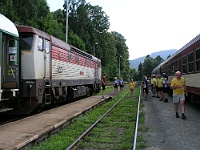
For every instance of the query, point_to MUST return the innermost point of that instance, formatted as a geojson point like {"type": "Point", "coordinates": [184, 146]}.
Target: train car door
{"type": "Point", "coordinates": [10, 65]}
{"type": "Point", "coordinates": [47, 61]}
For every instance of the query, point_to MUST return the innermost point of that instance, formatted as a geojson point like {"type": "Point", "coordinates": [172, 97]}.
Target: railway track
{"type": "Point", "coordinates": [112, 128]}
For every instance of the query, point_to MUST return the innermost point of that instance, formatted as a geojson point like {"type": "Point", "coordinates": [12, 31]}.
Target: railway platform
{"type": "Point", "coordinates": [17, 134]}
{"type": "Point", "coordinates": [165, 131]}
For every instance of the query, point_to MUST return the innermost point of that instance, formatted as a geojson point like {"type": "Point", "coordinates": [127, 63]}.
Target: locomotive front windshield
{"type": "Point", "coordinates": [25, 42]}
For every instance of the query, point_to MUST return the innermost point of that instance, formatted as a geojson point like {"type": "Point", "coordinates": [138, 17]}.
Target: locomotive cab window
{"type": "Point", "coordinates": [47, 46]}
{"type": "Point", "coordinates": [190, 62]}
{"type": "Point", "coordinates": [25, 41]}
{"type": "Point", "coordinates": [198, 60]}
{"type": "Point", "coordinates": [40, 44]}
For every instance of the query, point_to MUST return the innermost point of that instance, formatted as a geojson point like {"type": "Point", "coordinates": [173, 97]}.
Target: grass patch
{"type": "Point", "coordinates": [116, 131]}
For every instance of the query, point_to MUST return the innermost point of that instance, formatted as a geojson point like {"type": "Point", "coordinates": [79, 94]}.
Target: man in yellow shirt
{"type": "Point", "coordinates": [159, 84]}
{"type": "Point", "coordinates": [178, 85]}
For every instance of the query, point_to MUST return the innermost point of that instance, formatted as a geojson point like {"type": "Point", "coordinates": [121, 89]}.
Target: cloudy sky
{"type": "Point", "coordinates": [149, 25]}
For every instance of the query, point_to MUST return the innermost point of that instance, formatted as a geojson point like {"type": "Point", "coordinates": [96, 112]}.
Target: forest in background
{"type": "Point", "coordinates": [88, 30]}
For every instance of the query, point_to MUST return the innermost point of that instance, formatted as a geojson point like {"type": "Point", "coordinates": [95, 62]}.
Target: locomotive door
{"type": "Point", "coordinates": [10, 68]}
{"type": "Point", "coordinates": [96, 70]}
{"type": "Point", "coordinates": [47, 58]}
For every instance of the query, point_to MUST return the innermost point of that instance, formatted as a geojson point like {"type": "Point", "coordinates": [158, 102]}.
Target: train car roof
{"type": "Point", "coordinates": [28, 29]}
{"type": "Point", "coordinates": [8, 26]}
{"type": "Point", "coordinates": [59, 43]}
{"type": "Point", "coordinates": [179, 51]}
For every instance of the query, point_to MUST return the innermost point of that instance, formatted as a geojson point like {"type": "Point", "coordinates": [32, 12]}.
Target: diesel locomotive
{"type": "Point", "coordinates": [38, 69]}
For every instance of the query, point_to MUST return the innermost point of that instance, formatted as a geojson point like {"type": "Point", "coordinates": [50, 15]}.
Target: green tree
{"type": "Point", "coordinates": [157, 61]}
{"type": "Point", "coordinates": [148, 65]}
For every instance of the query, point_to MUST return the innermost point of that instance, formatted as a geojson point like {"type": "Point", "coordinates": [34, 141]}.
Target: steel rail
{"type": "Point", "coordinates": [136, 124]}
{"type": "Point", "coordinates": [93, 125]}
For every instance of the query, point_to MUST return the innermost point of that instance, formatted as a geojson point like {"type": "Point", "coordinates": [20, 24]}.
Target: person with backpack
{"type": "Point", "coordinates": [165, 88]}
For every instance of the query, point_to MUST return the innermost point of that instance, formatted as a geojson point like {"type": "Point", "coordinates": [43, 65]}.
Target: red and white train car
{"type": "Point", "coordinates": [187, 60]}
{"type": "Point", "coordinates": [49, 71]}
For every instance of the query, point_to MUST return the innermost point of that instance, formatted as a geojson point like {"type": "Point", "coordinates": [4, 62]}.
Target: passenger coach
{"type": "Point", "coordinates": [9, 62]}
{"type": "Point", "coordinates": [187, 60]}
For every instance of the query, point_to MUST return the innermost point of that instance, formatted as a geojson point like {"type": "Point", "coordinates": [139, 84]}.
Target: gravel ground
{"type": "Point", "coordinates": [166, 132]}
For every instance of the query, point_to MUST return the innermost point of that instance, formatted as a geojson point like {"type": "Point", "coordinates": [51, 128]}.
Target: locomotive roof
{"type": "Point", "coordinates": [27, 29]}
{"type": "Point", "coordinates": [55, 41]}
{"type": "Point", "coordinates": [64, 45]}
{"type": "Point", "coordinates": [8, 26]}
{"type": "Point", "coordinates": [179, 51]}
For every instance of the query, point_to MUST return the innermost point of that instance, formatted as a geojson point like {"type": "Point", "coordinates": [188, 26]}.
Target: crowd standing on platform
{"type": "Point", "coordinates": [159, 87]}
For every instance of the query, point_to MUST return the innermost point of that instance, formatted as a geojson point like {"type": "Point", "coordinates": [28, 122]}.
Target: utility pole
{"type": "Point", "coordinates": [66, 6]}
{"type": "Point", "coordinates": [119, 65]}
{"type": "Point", "coordinates": [95, 48]}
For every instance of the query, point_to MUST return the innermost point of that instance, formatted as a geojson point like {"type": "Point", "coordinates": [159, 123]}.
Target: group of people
{"type": "Point", "coordinates": [159, 87]}
{"type": "Point", "coordinates": [117, 83]}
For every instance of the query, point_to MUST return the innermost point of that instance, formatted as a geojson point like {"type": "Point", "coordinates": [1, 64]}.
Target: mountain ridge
{"type": "Point", "coordinates": [134, 63]}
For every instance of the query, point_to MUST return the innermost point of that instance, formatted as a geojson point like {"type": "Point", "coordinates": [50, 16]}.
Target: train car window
{"type": "Point", "coordinates": [190, 62]}
{"type": "Point", "coordinates": [172, 68]}
{"type": "Point", "coordinates": [69, 56]}
{"type": "Point", "coordinates": [47, 46]}
{"type": "Point", "coordinates": [175, 66]}
{"type": "Point", "coordinates": [77, 58]}
{"type": "Point", "coordinates": [12, 52]}
{"type": "Point", "coordinates": [25, 42]}
{"type": "Point", "coordinates": [198, 60]}
{"type": "Point", "coordinates": [184, 64]}
{"type": "Point", "coordinates": [40, 44]}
